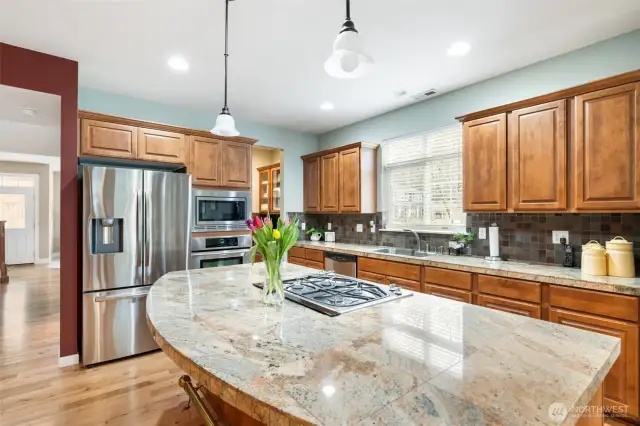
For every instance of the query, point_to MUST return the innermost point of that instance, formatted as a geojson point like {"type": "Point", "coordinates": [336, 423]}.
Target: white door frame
{"type": "Point", "coordinates": [36, 219]}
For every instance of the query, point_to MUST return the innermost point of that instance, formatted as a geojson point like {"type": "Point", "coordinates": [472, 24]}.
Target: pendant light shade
{"type": "Point", "coordinates": [349, 59]}
{"type": "Point", "coordinates": [225, 124]}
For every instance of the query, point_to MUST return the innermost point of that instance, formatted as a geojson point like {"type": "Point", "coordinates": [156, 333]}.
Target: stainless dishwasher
{"type": "Point", "coordinates": [342, 264]}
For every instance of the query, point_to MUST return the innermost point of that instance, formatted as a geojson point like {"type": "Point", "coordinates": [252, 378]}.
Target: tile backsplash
{"type": "Point", "coordinates": [523, 236]}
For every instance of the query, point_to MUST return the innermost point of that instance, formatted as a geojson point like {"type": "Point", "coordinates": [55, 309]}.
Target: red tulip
{"type": "Point", "coordinates": [257, 222]}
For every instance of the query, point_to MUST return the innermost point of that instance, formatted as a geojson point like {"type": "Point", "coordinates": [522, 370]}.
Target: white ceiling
{"type": "Point", "coordinates": [23, 134]}
{"type": "Point", "coordinates": [278, 48]}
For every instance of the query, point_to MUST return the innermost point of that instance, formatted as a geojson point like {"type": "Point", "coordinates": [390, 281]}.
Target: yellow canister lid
{"type": "Point", "coordinates": [619, 242]}
{"type": "Point", "coordinates": [594, 246]}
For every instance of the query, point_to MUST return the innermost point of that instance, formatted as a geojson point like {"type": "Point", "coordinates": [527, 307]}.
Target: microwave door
{"type": "Point", "coordinates": [214, 211]}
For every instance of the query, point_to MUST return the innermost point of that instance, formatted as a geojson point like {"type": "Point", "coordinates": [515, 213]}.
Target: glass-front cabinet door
{"type": "Point", "coordinates": [276, 197]}
{"type": "Point", "coordinates": [264, 188]}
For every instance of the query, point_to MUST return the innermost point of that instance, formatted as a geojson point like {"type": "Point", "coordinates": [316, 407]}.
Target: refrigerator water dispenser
{"type": "Point", "coordinates": [107, 235]}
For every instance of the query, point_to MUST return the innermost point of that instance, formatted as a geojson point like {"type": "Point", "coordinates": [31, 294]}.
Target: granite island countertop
{"type": "Point", "coordinates": [570, 277]}
{"type": "Point", "coordinates": [414, 361]}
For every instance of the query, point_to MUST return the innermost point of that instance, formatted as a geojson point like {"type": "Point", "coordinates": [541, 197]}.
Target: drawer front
{"type": "Point", "coordinates": [512, 289]}
{"type": "Point", "coordinates": [297, 252]}
{"type": "Point", "coordinates": [394, 269]}
{"type": "Point", "coordinates": [297, 261]}
{"type": "Point", "coordinates": [448, 293]}
{"type": "Point", "coordinates": [315, 255]}
{"type": "Point", "coordinates": [408, 284]}
{"type": "Point", "coordinates": [595, 302]}
{"type": "Point", "coordinates": [315, 265]}
{"type": "Point", "coordinates": [370, 276]}
{"type": "Point", "coordinates": [447, 278]}
{"type": "Point", "coordinates": [512, 306]}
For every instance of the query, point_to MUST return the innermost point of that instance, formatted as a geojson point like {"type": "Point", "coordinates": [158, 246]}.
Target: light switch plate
{"type": "Point", "coordinates": [303, 226]}
{"type": "Point", "coordinates": [329, 226]}
{"type": "Point", "coordinates": [556, 235]}
{"type": "Point", "coordinates": [482, 233]}
{"type": "Point", "coordinates": [359, 227]}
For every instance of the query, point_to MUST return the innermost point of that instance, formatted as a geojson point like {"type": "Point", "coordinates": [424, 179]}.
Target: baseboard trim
{"type": "Point", "coordinates": [67, 361]}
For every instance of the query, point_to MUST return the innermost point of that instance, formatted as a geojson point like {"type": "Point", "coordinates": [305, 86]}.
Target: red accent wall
{"type": "Point", "coordinates": [37, 71]}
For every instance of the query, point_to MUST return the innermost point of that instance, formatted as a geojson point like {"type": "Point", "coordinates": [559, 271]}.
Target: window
{"type": "Point", "coordinates": [422, 181]}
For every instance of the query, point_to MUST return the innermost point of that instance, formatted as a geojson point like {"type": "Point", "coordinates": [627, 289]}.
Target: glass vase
{"type": "Point", "coordinates": [273, 289]}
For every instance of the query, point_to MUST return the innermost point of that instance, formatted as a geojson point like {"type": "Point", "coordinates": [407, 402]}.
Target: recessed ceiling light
{"type": "Point", "coordinates": [178, 63]}
{"type": "Point", "coordinates": [29, 111]}
{"type": "Point", "coordinates": [327, 106]}
{"type": "Point", "coordinates": [459, 48]}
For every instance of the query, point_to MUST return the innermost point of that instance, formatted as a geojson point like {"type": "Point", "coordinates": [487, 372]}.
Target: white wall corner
{"type": "Point", "coordinates": [67, 361]}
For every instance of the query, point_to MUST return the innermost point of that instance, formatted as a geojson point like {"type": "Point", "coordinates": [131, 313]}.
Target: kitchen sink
{"type": "Point", "coordinates": [401, 252]}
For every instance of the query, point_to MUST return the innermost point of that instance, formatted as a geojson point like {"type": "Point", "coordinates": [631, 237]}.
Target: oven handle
{"type": "Point", "coordinates": [224, 253]}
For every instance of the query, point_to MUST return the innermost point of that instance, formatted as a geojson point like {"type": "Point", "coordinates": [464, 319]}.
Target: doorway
{"type": "Point", "coordinates": [17, 208]}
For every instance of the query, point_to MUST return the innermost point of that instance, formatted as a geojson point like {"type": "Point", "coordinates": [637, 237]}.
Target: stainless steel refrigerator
{"type": "Point", "coordinates": [136, 228]}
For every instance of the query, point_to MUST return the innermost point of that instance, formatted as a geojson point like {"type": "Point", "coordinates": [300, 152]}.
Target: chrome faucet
{"type": "Point", "coordinates": [415, 234]}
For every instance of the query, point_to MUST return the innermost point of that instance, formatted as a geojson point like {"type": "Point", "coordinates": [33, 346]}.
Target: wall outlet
{"type": "Point", "coordinates": [373, 228]}
{"type": "Point", "coordinates": [556, 235]}
{"type": "Point", "coordinates": [359, 227]}
{"type": "Point", "coordinates": [329, 226]}
{"type": "Point", "coordinates": [482, 233]}
{"type": "Point", "coordinates": [303, 226]}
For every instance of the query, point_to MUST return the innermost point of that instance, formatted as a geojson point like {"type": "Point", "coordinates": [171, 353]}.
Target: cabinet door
{"type": "Point", "coordinates": [276, 198]}
{"type": "Point", "coordinates": [206, 156]}
{"type": "Point", "coordinates": [311, 184]}
{"type": "Point", "coordinates": [297, 261]}
{"type": "Point", "coordinates": [484, 157]}
{"type": "Point", "coordinates": [537, 149]}
{"type": "Point", "coordinates": [401, 282]}
{"type": "Point", "coordinates": [108, 140]}
{"type": "Point", "coordinates": [448, 293]}
{"type": "Point", "coordinates": [621, 384]}
{"type": "Point", "coordinates": [236, 165]}
{"type": "Point", "coordinates": [264, 191]}
{"type": "Point", "coordinates": [314, 265]}
{"type": "Point", "coordinates": [607, 149]}
{"type": "Point", "coordinates": [165, 147]}
{"type": "Point", "coordinates": [370, 276]}
{"type": "Point", "coordinates": [349, 184]}
{"type": "Point", "coordinates": [329, 172]}
{"type": "Point", "coordinates": [512, 306]}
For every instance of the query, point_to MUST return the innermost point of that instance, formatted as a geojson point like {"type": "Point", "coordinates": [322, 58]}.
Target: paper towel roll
{"type": "Point", "coordinates": [494, 241]}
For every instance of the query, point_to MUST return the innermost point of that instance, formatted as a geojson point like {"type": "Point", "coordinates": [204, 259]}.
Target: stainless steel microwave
{"type": "Point", "coordinates": [221, 210]}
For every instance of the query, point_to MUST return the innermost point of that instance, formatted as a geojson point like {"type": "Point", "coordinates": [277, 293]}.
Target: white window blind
{"type": "Point", "coordinates": [422, 181]}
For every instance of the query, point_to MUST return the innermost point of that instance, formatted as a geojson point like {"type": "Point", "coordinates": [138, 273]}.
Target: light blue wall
{"type": "Point", "coordinates": [292, 142]}
{"type": "Point", "coordinates": [604, 59]}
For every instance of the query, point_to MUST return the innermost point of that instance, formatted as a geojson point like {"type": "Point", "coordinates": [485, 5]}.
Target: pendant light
{"type": "Point", "coordinates": [225, 124]}
{"type": "Point", "coordinates": [348, 59]}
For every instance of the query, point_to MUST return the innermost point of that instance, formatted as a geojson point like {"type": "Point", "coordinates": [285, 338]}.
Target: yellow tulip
{"type": "Point", "coordinates": [276, 234]}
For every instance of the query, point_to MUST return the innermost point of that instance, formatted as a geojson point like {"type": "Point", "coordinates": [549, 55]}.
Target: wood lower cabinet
{"type": "Point", "coordinates": [310, 258]}
{"type": "Point", "coordinates": [311, 184]}
{"type": "Point", "coordinates": [448, 293]}
{"type": "Point", "coordinates": [607, 149]}
{"type": "Point", "coordinates": [406, 284]}
{"type": "Point", "coordinates": [297, 261]}
{"type": "Point", "coordinates": [104, 139]}
{"type": "Point", "coordinates": [315, 265]}
{"type": "Point", "coordinates": [484, 158]}
{"type": "Point", "coordinates": [236, 165]}
{"type": "Point", "coordinates": [622, 383]}
{"type": "Point", "coordinates": [165, 147]}
{"type": "Point", "coordinates": [349, 180]}
{"type": "Point", "coordinates": [329, 182]}
{"type": "Point", "coordinates": [370, 276]}
{"type": "Point", "coordinates": [537, 149]}
{"type": "Point", "coordinates": [205, 161]}
{"type": "Point", "coordinates": [526, 309]}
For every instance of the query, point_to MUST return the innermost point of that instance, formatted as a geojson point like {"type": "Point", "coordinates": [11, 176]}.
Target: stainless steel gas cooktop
{"type": "Point", "coordinates": [333, 294]}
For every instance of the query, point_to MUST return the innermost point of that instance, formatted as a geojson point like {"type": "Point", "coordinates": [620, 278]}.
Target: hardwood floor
{"type": "Point", "coordinates": [35, 391]}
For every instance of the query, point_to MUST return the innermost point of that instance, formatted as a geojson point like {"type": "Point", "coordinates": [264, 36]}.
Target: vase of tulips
{"type": "Point", "coordinates": [272, 241]}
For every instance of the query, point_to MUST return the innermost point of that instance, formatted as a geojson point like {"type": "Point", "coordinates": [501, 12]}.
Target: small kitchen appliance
{"type": "Point", "coordinates": [220, 210]}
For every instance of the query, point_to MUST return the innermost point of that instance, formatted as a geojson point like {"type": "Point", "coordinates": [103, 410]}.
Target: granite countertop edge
{"type": "Point", "coordinates": [569, 277]}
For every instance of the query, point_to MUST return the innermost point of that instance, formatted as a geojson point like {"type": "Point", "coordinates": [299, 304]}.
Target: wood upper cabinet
{"type": "Point", "coordinates": [162, 146]}
{"type": "Point", "coordinates": [349, 178]}
{"type": "Point", "coordinates": [607, 149]}
{"type": "Point", "coordinates": [105, 139]}
{"type": "Point", "coordinates": [311, 184]}
{"type": "Point", "coordinates": [538, 163]}
{"type": "Point", "coordinates": [622, 383]}
{"type": "Point", "coordinates": [485, 164]}
{"type": "Point", "coordinates": [236, 165]}
{"type": "Point", "coordinates": [329, 182]}
{"type": "Point", "coordinates": [205, 161]}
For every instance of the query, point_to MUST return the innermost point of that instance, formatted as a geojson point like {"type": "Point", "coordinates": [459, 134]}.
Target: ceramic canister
{"type": "Point", "coordinates": [620, 258]}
